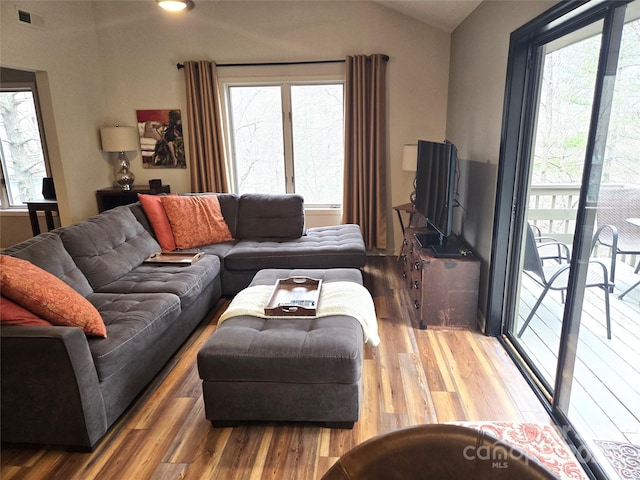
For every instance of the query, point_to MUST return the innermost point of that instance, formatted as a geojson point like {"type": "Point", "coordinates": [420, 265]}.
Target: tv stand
{"type": "Point", "coordinates": [443, 290]}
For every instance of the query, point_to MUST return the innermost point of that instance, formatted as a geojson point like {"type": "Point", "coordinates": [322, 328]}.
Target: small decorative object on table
{"type": "Point", "coordinates": [294, 296]}
{"type": "Point", "coordinates": [48, 189]}
{"type": "Point", "coordinates": [155, 183]}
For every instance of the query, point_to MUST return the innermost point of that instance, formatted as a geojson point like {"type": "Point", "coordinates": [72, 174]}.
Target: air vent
{"type": "Point", "coordinates": [29, 18]}
{"type": "Point", "coordinates": [24, 16]}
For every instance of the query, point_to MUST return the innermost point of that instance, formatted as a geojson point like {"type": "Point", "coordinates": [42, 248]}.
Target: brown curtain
{"type": "Point", "coordinates": [365, 195]}
{"type": "Point", "coordinates": [206, 147]}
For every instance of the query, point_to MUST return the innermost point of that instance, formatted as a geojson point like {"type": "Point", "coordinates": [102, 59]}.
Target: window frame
{"type": "Point", "coordinates": [285, 77]}
{"type": "Point", "coordinates": [25, 86]}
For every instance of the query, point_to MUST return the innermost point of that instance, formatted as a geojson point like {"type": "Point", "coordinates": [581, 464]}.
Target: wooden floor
{"type": "Point", "coordinates": [605, 395]}
{"type": "Point", "coordinates": [413, 377]}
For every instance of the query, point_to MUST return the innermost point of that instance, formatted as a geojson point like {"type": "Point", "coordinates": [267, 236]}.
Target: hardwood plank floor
{"type": "Point", "coordinates": [413, 377]}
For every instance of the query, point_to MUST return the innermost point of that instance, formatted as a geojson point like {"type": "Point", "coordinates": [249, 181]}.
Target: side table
{"type": "Point", "coordinates": [46, 206]}
{"type": "Point", "coordinates": [115, 196]}
{"type": "Point", "coordinates": [407, 208]}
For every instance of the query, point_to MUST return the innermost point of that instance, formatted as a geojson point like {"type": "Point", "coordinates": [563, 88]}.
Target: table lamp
{"type": "Point", "coordinates": [121, 139]}
{"type": "Point", "coordinates": [410, 164]}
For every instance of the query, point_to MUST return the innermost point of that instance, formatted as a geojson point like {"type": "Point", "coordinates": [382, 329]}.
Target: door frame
{"type": "Point", "coordinates": [518, 123]}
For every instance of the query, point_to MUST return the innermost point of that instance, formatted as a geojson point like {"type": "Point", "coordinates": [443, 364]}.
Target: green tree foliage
{"type": "Point", "coordinates": [565, 108]}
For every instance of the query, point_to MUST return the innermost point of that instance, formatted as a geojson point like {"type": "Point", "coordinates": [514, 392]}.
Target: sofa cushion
{"type": "Point", "coordinates": [13, 314]}
{"type": "Point", "coordinates": [187, 282]}
{"type": "Point", "coordinates": [270, 216]}
{"type": "Point", "coordinates": [47, 296]}
{"type": "Point", "coordinates": [47, 252]}
{"type": "Point", "coordinates": [109, 245]}
{"type": "Point", "coordinates": [134, 324]}
{"type": "Point", "coordinates": [321, 247]}
{"type": "Point", "coordinates": [196, 220]}
{"type": "Point", "coordinates": [313, 350]}
{"type": "Point", "coordinates": [154, 210]}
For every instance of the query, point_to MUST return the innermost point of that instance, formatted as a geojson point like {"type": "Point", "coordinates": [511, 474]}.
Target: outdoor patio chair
{"type": "Point", "coordinates": [615, 205]}
{"type": "Point", "coordinates": [549, 248]}
{"type": "Point", "coordinates": [555, 276]}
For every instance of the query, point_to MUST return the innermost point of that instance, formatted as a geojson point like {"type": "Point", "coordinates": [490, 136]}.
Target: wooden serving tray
{"type": "Point", "coordinates": [173, 258]}
{"type": "Point", "coordinates": [294, 296]}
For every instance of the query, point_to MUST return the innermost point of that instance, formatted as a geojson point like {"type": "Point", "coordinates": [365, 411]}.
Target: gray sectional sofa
{"type": "Point", "coordinates": [60, 387]}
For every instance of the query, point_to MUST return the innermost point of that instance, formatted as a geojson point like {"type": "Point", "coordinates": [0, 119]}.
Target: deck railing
{"type": "Point", "coordinates": [553, 209]}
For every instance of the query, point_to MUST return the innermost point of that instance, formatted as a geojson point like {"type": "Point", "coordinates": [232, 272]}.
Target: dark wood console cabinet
{"type": "Point", "coordinates": [115, 196]}
{"type": "Point", "coordinates": [443, 291]}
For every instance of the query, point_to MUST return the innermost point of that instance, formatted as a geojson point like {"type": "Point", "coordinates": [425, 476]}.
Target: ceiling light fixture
{"type": "Point", "coordinates": [176, 5]}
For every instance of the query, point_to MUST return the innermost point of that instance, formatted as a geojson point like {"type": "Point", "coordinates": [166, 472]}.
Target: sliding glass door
{"type": "Point", "coordinates": [569, 188]}
{"type": "Point", "coordinates": [566, 70]}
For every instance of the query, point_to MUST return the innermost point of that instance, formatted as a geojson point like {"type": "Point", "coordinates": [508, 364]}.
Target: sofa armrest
{"type": "Point", "coordinates": [50, 390]}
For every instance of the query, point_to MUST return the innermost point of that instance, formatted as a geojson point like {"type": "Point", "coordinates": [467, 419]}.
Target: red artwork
{"type": "Point", "coordinates": [161, 140]}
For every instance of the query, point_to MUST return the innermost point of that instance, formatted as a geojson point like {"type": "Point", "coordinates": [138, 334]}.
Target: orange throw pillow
{"type": "Point", "coordinates": [47, 296]}
{"type": "Point", "coordinates": [196, 220]}
{"type": "Point", "coordinates": [13, 314]}
{"type": "Point", "coordinates": [152, 206]}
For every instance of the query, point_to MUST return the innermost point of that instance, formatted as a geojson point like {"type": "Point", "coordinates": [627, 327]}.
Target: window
{"type": "Point", "coordinates": [22, 155]}
{"type": "Point", "coordinates": [287, 138]}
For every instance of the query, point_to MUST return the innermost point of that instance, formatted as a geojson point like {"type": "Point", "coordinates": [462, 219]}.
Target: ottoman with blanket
{"type": "Point", "coordinates": [259, 368]}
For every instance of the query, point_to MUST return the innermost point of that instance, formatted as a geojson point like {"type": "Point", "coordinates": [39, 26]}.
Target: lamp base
{"type": "Point", "coordinates": [124, 176]}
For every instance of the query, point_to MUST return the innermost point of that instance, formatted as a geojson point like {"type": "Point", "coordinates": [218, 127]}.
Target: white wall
{"type": "Point", "coordinates": [106, 59]}
{"type": "Point", "coordinates": [65, 55]}
{"type": "Point", "coordinates": [479, 51]}
{"type": "Point", "coordinates": [140, 45]}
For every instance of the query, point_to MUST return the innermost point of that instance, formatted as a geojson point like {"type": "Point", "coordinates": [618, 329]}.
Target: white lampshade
{"type": "Point", "coordinates": [409, 157]}
{"type": "Point", "coordinates": [119, 139]}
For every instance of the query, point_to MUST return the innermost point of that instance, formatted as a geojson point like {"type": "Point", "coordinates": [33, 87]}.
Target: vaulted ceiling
{"type": "Point", "coordinates": [443, 14]}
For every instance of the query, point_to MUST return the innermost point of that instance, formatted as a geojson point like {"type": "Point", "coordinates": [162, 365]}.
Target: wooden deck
{"type": "Point", "coordinates": [413, 377]}
{"type": "Point", "coordinates": [605, 397]}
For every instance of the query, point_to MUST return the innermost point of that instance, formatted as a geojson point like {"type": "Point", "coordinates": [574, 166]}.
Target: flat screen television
{"type": "Point", "coordinates": [435, 191]}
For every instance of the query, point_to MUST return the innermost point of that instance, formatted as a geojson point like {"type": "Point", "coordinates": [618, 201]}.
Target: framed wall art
{"type": "Point", "coordinates": [161, 140]}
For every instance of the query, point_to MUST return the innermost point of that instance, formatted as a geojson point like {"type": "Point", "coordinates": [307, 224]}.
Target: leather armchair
{"type": "Point", "coordinates": [442, 452]}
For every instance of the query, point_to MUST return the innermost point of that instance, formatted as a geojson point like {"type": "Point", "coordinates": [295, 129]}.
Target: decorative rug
{"type": "Point", "coordinates": [624, 457]}
{"type": "Point", "coordinates": [542, 442]}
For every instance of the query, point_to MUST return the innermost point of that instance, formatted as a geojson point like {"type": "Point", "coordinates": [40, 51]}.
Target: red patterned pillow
{"type": "Point", "coordinates": [196, 220]}
{"type": "Point", "coordinates": [152, 206]}
{"type": "Point", "coordinates": [47, 296]}
{"type": "Point", "coordinates": [13, 314]}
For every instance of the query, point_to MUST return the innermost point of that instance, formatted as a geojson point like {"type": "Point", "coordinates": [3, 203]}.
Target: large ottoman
{"type": "Point", "coordinates": [286, 369]}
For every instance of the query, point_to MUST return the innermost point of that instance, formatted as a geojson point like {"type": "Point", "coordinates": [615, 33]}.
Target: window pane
{"type": "Point", "coordinates": [318, 142]}
{"type": "Point", "coordinates": [256, 127]}
{"type": "Point", "coordinates": [568, 80]}
{"type": "Point", "coordinates": [20, 147]}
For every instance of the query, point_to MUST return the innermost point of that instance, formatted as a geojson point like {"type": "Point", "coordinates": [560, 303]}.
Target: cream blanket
{"type": "Point", "coordinates": [336, 298]}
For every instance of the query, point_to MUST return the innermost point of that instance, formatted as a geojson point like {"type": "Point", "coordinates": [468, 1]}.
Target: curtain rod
{"type": "Point", "coordinates": [277, 64]}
